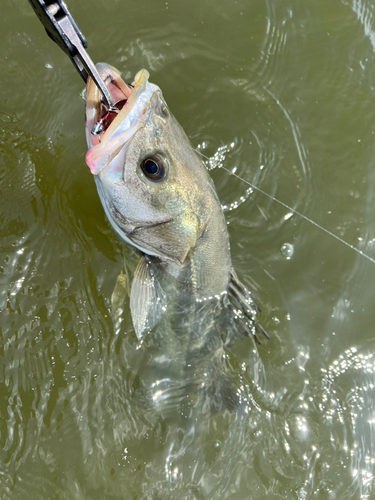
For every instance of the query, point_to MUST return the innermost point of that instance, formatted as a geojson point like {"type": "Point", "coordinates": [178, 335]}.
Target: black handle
{"type": "Point", "coordinates": [50, 12]}
{"type": "Point", "coordinates": [61, 27]}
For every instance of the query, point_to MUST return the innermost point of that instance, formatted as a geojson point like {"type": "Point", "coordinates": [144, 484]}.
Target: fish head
{"type": "Point", "coordinates": [152, 185]}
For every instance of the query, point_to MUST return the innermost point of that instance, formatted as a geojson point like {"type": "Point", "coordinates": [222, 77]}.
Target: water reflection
{"type": "Point", "coordinates": [279, 94]}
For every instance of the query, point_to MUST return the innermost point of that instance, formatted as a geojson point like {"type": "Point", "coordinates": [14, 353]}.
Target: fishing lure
{"type": "Point", "coordinates": [105, 120]}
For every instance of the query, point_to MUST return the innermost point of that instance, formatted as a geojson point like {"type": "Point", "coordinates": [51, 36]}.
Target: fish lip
{"type": "Point", "coordinates": [93, 107]}
{"type": "Point", "coordinates": [119, 90]}
{"type": "Point", "coordinates": [104, 147]}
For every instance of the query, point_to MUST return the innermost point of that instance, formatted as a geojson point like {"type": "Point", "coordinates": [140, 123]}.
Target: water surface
{"type": "Point", "coordinates": [279, 93]}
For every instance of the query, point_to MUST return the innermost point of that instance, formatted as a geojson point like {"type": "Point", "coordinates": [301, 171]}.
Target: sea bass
{"type": "Point", "coordinates": [159, 198]}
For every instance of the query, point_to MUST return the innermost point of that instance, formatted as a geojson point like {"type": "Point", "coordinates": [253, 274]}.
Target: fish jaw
{"type": "Point", "coordinates": [104, 147]}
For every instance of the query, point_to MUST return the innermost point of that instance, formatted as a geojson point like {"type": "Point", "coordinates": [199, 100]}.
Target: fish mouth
{"type": "Point", "coordinates": [108, 130]}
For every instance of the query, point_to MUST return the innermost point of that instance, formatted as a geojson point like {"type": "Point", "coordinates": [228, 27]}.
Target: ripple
{"type": "Point", "coordinates": [348, 407]}
{"type": "Point", "coordinates": [365, 14]}
{"type": "Point", "coordinates": [275, 39]}
{"type": "Point", "coordinates": [274, 98]}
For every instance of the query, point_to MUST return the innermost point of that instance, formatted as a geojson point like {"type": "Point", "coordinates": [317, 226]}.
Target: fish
{"type": "Point", "coordinates": [159, 198]}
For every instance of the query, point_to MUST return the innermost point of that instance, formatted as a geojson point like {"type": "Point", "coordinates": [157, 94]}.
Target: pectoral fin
{"type": "Point", "coordinates": [147, 298]}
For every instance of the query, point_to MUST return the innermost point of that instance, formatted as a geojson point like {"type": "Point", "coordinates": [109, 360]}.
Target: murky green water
{"type": "Point", "coordinates": [285, 92]}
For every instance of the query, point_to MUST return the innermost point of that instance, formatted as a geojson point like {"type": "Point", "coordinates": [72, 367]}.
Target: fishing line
{"type": "Point", "coordinates": [295, 212]}
{"type": "Point", "coordinates": [360, 252]}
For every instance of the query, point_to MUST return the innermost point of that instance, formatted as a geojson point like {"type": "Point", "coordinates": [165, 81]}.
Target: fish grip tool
{"type": "Point", "coordinates": [63, 30]}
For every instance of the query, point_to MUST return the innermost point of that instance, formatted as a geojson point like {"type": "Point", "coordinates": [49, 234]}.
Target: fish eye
{"type": "Point", "coordinates": [154, 168]}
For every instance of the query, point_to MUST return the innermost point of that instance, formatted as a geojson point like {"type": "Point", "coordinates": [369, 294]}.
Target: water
{"type": "Point", "coordinates": [280, 94]}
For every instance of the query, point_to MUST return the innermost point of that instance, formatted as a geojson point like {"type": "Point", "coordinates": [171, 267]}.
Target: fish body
{"type": "Point", "coordinates": [159, 198]}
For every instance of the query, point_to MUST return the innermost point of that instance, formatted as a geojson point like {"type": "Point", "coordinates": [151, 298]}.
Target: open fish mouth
{"type": "Point", "coordinates": [107, 130]}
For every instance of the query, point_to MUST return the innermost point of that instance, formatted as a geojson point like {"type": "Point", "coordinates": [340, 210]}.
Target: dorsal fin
{"type": "Point", "coordinates": [245, 307]}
